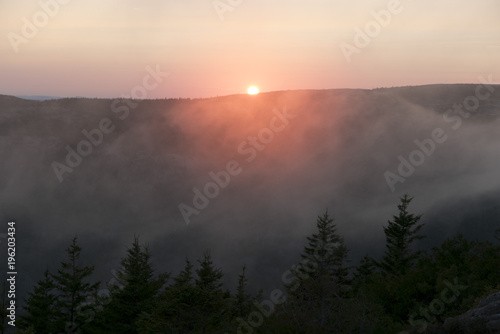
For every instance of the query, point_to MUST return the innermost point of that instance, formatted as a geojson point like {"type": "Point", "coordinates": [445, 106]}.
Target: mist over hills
{"type": "Point", "coordinates": [312, 150]}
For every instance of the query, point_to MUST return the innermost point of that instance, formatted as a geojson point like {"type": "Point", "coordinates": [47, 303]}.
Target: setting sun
{"type": "Point", "coordinates": [253, 90]}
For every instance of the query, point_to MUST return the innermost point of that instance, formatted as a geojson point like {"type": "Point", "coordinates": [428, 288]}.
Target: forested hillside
{"type": "Point", "coordinates": [323, 292]}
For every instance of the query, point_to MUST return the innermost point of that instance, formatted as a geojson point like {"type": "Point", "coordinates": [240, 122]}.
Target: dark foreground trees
{"type": "Point", "coordinates": [42, 307]}
{"type": "Point", "coordinates": [60, 302]}
{"type": "Point", "coordinates": [192, 304]}
{"type": "Point", "coordinates": [405, 290]}
{"type": "Point", "coordinates": [75, 292]}
{"type": "Point", "coordinates": [400, 234]}
{"type": "Point", "coordinates": [136, 291]}
{"type": "Point", "coordinates": [321, 284]}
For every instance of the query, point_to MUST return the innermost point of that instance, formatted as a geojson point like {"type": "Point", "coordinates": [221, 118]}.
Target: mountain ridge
{"type": "Point", "coordinates": [422, 86]}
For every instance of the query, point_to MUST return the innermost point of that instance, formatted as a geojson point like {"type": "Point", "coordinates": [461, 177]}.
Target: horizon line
{"type": "Point", "coordinates": [42, 98]}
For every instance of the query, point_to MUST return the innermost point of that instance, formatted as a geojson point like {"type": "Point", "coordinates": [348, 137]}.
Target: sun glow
{"type": "Point", "coordinates": [253, 90]}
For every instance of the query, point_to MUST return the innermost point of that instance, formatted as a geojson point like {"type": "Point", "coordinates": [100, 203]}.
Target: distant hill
{"type": "Point", "coordinates": [38, 97]}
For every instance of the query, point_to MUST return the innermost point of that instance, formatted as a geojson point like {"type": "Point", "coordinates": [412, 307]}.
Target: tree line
{"type": "Point", "coordinates": [406, 291]}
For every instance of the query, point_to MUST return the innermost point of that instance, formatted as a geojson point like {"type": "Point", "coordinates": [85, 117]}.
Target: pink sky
{"type": "Point", "coordinates": [101, 48]}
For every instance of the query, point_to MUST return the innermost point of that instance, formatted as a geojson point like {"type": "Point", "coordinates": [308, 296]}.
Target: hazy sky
{"type": "Point", "coordinates": [100, 48]}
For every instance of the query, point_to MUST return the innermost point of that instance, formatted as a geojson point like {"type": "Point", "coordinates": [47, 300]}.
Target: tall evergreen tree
{"type": "Point", "coordinates": [325, 256]}
{"type": "Point", "coordinates": [190, 305]}
{"type": "Point", "coordinates": [181, 300]}
{"type": "Point", "coordinates": [175, 310]}
{"type": "Point", "coordinates": [211, 308]}
{"type": "Point", "coordinates": [185, 277]}
{"type": "Point", "coordinates": [400, 235]}
{"type": "Point", "coordinates": [209, 276]}
{"type": "Point", "coordinates": [242, 298]}
{"type": "Point", "coordinates": [364, 270]}
{"type": "Point", "coordinates": [75, 293]}
{"type": "Point", "coordinates": [41, 307]}
{"type": "Point", "coordinates": [136, 292]}
{"type": "Point", "coordinates": [321, 282]}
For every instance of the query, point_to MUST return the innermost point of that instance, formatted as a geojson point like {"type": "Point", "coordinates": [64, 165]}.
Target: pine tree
{"type": "Point", "coordinates": [364, 270]}
{"type": "Point", "coordinates": [136, 292]}
{"type": "Point", "coordinates": [400, 235]}
{"type": "Point", "coordinates": [175, 309]}
{"type": "Point", "coordinates": [243, 303]}
{"type": "Point", "coordinates": [325, 256]}
{"type": "Point", "coordinates": [321, 279]}
{"type": "Point", "coordinates": [185, 277]}
{"type": "Point", "coordinates": [181, 300]}
{"type": "Point", "coordinates": [190, 305]}
{"type": "Point", "coordinates": [211, 306]}
{"type": "Point", "coordinates": [75, 293]}
{"type": "Point", "coordinates": [208, 275]}
{"type": "Point", "coordinates": [41, 307]}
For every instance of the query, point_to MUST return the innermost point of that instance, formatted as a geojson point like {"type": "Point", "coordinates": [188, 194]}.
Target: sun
{"type": "Point", "coordinates": [253, 90]}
